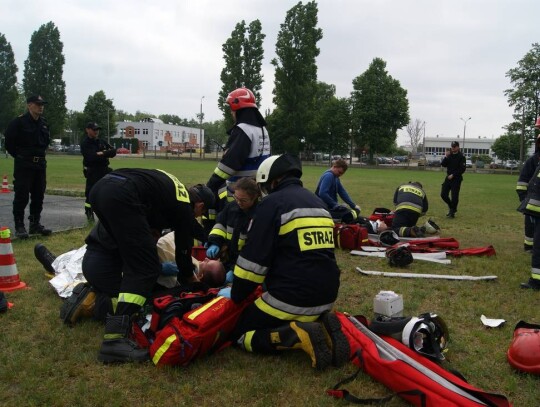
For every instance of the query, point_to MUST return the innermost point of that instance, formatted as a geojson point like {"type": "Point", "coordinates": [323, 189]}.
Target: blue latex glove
{"type": "Point", "coordinates": [212, 251]}
{"type": "Point", "coordinates": [169, 268]}
{"type": "Point", "coordinates": [225, 292]}
{"type": "Point", "coordinates": [229, 277]}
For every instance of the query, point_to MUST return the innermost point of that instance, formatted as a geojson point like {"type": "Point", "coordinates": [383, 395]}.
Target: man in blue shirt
{"type": "Point", "coordinates": [330, 187]}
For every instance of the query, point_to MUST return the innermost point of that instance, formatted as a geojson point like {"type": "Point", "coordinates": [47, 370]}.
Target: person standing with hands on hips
{"type": "Point", "coordinates": [96, 154]}
{"type": "Point", "coordinates": [27, 139]}
{"type": "Point", "coordinates": [455, 164]}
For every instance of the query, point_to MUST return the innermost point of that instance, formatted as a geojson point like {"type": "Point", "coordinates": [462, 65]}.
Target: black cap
{"type": "Point", "coordinates": [205, 195]}
{"type": "Point", "coordinates": [36, 99]}
{"type": "Point", "coordinates": [455, 144]}
{"type": "Point", "coordinates": [93, 126]}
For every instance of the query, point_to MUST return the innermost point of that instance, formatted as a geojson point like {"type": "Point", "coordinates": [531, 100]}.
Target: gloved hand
{"type": "Point", "coordinates": [229, 277]}
{"type": "Point", "coordinates": [357, 209]}
{"type": "Point", "coordinates": [169, 268]}
{"type": "Point", "coordinates": [225, 292]}
{"type": "Point", "coordinates": [212, 251]}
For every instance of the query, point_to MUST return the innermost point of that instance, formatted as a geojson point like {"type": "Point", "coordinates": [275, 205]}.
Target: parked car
{"type": "Point", "coordinates": [401, 158]}
{"type": "Point", "coordinates": [511, 165]}
{"type": "Point", "coordinates": [468, 163]}
{"type": "Point", "coordinates": [433, 162]}
{"type": "Point", "coordinates": [494, 166]}
{"type": "Point", "coordinates": [74, 149]}
{"type": "Point", "coordinates": [123, 150]}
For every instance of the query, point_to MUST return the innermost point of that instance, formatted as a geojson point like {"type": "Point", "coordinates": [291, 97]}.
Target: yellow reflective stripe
{"type": "Point", "coordinates": [248, 337]}
{"type": "Point", "coordinates": [221, 174]}
{"type": "Point", "coordinates": [200, 310]}
{"type": "Point", "coordinates": [241, 243]}
{"type": "Point", "coordinates": [285, 316]}
{"type": "Point", "coordinates": [218, 232]}
{"type": "Point", "coordinates": [305, 222]}
{"type": "Point", "coordinates": [315, 238]}
{"type": "Point", "coordinates": [533, 208]}
{"type": "Point", "coordinates": [163, 348]}
{"type": "Point", "coordinates": [223, 194]}
{"type": "Point", "coordinates": [408, 207]}
{"type": "Point", "coordinates": [87, 205]}
{"type": "Point", "coordinates": [5, 233]}
{"type": "Point", "coordinates": [181, 191]}
{"type": "Point", "coordinates": [131, 298]}
{"type": "Point", "coordinates": [248, 275]}
{"type": "Point", "coordinates": [412, 190]}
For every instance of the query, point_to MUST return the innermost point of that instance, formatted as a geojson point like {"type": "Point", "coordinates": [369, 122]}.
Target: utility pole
{"type": "Point", "coordinates": [424, 141]}
{"type": "Point", "coordinates": [200, 132]}
{"type": "Point", "coordinates": [464, 129]}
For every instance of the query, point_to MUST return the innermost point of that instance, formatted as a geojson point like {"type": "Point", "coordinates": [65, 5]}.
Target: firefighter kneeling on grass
{"type": "Point", "coordinates": [289, 248]}
{"type": "Point", "coordinates": [411, 202]}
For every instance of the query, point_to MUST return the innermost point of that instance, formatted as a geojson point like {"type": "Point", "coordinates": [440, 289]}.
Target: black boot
{"type": "Point", "coordinates": [37, 228]}
{"type": "Point", "coordinates": [20, 230]}
{"type": "Point", "coordinates": [307, 336]}
{"type": "Point", "coordinates": [532, 284]}
{"type": "Point", "coordinates": [45, 257]}
{"type": "Point", "coordinates": [89, 214]}
{"type": "Point", "coordinates": [336, 339]}
{"type": "Point", "coordinates": [116, 346]}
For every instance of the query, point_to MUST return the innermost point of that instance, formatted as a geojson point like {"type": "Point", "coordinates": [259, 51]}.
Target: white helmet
{"type": "Point", "coordinates": [276, 166]}
{"type": "Point", "coordinates": [426, 334]}
{"type": "Point", "coordinates": [431, 227]}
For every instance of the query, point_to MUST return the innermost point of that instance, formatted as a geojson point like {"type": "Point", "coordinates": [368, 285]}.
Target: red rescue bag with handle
{"type": "Point", "coordinates": [408, 374]}
{"type": "Point", "coordinates": [350, 236]}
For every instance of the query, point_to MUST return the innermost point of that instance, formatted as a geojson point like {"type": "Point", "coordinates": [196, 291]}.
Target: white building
{"type": "Point", "coordinates": [469, 147]}
{"type": "Point", "coordinates": [153, 134]}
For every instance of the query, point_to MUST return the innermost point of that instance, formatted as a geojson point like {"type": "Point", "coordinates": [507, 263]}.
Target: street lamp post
{"type": "Point", "coordinates": [200, 131]}
{"type": "Point", "coordinates": [464, 129]}
{"type": "Point", "coordinates": [424, 140]}
{"type": "Point", "coordinates": [108, 132]}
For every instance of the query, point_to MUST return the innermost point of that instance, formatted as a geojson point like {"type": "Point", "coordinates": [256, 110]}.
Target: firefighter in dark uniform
{"type": "Point", "coordinates": [455, 164]}
{"type": "Point", "coordinates": [27, 139]}
{"type": "Point", "coordinates": [289, 248]}
{"type": "Point", "coordinates": [96, 154]}
{"type": "Point", "coordinates": [230, 231]}
{"type": "Point", "coordinates": [410, 202]}
{"type": "Point", "coordinates": [134, 206]}
{"type": "Point", "coordinates": [530, 207]}
{"type": "Point", "coordinates": [247, 147]}
{"type": "Point", "coordinates": [521, 188]}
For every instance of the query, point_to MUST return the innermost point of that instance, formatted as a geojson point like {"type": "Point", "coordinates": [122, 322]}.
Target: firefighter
{"type": "Point", "coordinates": [289, 248]}
{"type": "Point", "coordinates": [96, 153]}
{"type": "Point", "coordinates": [247, 147]}
{"type": "Point", "coordinates": [411, 202]}
{"type": "Point", "coordinates": [521, 188]}
{"type": "Point", "coordinates": [230, 231]}
{"type": "Point", "coordinates": [134, 206]}
{"type": "Point", "coordinates": [27, 139]}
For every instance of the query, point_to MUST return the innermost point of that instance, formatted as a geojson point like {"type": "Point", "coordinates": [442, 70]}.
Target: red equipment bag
{"type": "Point", "coordinates": [410, 375]}
{"type": "Point", "coordinates": [201, 331]}
{"type": "Point", "coordinates": [383, 214]}
{"type": "Point", "coordinates": [350, 237]}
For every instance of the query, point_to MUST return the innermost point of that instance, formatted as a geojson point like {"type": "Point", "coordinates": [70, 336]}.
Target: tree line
{"type": "Point", "coordinates": [308, 116]}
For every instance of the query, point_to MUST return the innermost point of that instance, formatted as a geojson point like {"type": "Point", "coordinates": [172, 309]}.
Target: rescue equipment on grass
{"type": "Point", "coordinates": [407, 373]}
{"type": "Point", "coordinates": [350, 236]}
{"type": "Point", "coordinates": [524, 351]}
{"type": "Point", "coordinates": [9, 276]}
{"type": "Point", "coordinates": [399, 256]}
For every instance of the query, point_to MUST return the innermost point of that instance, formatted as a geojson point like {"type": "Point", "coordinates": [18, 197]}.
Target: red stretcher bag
{"type": "Point", "coordinates": [383, 214]}
{"type": "Point", "coordinates": [350, 237]}
{"type": "Point", "coordinates": [410, 375]}
{"type": "Point", "coordinates": [202, 331]}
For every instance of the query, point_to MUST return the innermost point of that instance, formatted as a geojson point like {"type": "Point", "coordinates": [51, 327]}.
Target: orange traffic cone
{"type": "Point", "coordinates": [5, 188]}
{"type": "Point", "coordinates": [9, 277]}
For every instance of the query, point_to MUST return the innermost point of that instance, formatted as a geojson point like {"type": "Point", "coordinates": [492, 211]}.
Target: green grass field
{"type": "Point", "coordinates": [45, 363]}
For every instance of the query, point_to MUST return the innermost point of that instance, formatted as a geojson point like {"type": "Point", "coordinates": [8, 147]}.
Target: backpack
{"type": "Point", "coordinates": [195, 333]}
{"type": "Point", "coordinates": [410, 375]}
{"type": "Point", "coordinates": [350, 237]}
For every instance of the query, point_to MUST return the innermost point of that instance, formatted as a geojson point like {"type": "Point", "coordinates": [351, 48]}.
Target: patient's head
{"type": "Point", "coordinates": [211, 272]}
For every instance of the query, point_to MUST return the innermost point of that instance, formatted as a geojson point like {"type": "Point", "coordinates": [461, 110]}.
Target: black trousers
{"type": "Point", "coordinates": [133, 268]}
{"type": "Point", "coordinates": [450, 192]}
{"type": "Point", "coordinates": [29, 185]}
{"type": "Point", "coordinates": [404, 220]}
{"type": "Point", "coordinates": [92, 176]}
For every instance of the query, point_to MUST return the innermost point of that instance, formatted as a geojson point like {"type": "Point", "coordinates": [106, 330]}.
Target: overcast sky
{"type": "Point", "coordinates": [164, 56]}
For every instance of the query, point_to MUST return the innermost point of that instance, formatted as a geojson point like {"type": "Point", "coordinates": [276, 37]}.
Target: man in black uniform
{"type": "Point", "coordinates": [521, 188]}
{"type": "Point", "coordinates": [27, 139]}
{"type": "Point", "coordinates": [455, 164]}
{"type": "Point", "coordinates": [134, 206]}
{"type": "Point", "coordinates": [96, 154]}
{"type": "Point", "coordinates": [289, 248]}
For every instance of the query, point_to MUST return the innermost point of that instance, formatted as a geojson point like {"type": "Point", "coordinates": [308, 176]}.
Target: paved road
{"type": "Point", "coordinates": [59, 212]}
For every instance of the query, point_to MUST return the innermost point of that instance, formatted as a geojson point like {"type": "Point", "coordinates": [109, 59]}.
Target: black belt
{"type": "Point", "coordinates": [34, 159]}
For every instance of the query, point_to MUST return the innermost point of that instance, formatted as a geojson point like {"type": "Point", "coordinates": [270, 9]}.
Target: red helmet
{"type": "Point", "coordinates": [241, 98]}
{"type": "Point", "coordinates": [524, 352]}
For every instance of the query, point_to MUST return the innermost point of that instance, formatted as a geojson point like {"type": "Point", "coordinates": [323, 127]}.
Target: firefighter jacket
{"type": "Point", "coordinates": [531, 204]}
{"type": "Point", "coordinates": [290, 248]}
{"type": "Point", "coordinates": [166, 205]}
{"type": "Point", "coordinates": [89, 149]}
{"type": "Point", "coordinates": [247, 147]}
{"type": "Point", "coordinates": [526, 174]}
{"type": "Point", "coordinates": [410, 197]}
{"type": "Point", "coordinates": [455, 164]}
{"type": "Point", "coordinates": [27, 140]}
{"type": "Point", "coordinates": [231, 230]}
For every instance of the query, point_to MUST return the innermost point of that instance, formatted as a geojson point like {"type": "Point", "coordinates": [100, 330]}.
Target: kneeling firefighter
{"type": "Point", "coordinates": [411, 202]}
{"type": "Point", "coordinates": [289, 248]}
